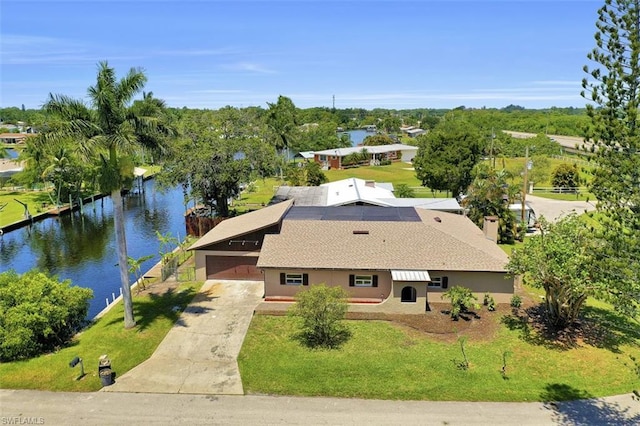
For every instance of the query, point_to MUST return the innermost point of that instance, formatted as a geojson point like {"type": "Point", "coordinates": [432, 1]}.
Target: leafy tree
{"type": "Point", "coordinates": [509, 146]}
{"type": "Point", "coordinates": [212, 162]}
{"type": "Point", "coordinates": [320, 137]}
{"type": "Point", "coordinates": [260, 156]}
{"type": "Point", "coordinates": [462, 300]}
{"type": "Point", "coordinates": [135, 268]}
{"type": "Point", "coordinates": [612, 88]}
{"type": "Point", "coordinates": [322, 309]}
{"type": "Point", "coordinates": [560, 261]}
{"type": "Point", "coordinates": [308, 173]}
{"type": "Point", "coordinates": [111, 131]}
{"type": "Point", "coordinates": [167, 243]}
{"type": "Point", "coordinates": [566, 176]}
{"type": "Point", "coordinates": [404, 191]}
{"type": "Point", "coordinates": [38, 313]}
{"type": "Point", "coordinates": [65, 171]}
{"type": "Point", "coordinates": [447, 155]}
{"type": "Point", "coordinates": [391, 124]}
{"type": "Point", "coordinates": [281, 119]}
{"type": "Point", "coordinates": [294, 174]}
{"type": "Point", "coordinates": [376, 140]}
{"type": "Point", "coordinates": [490, 195]}
{"type": "Point", "coordinates": [351, 159]}
{"type": "Point", "coordinates": [315, 175]}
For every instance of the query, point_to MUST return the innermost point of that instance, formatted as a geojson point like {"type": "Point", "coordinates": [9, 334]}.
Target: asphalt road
{"type": "Point", "coordinates": [552, 210]}
{"type": "Point", "coordinates": [107, 408]}
{"type": "Point", "coordinates": [569, 142]}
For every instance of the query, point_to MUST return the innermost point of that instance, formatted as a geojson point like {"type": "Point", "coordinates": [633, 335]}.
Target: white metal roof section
{"type": "Point", "coordinates": [405, 275]}
{"type": "Point", "coordinates": [375, 149]}
{"type": "Point", "coordinates": [442, 204]}
{"type": "Point", "coordinates": [308, 155]}
{"type": "Point", "coordinates": [353, 190]}
{"type": "Point", "coordinates": [139, 171]}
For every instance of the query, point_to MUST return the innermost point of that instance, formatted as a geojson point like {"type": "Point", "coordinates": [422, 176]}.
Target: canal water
{"type": "Point", "coordinates": [81, 246]}
{"type": "Point", "coordinates": [357, 136]}
{"type": "Point", "coordinates": [12, 153]}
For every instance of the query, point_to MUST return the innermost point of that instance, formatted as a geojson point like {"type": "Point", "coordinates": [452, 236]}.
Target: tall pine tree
{"type": "Point", "coordinates": [613, 91]}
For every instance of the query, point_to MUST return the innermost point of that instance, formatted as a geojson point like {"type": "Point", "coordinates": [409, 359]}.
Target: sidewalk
{"type": "Point", "coordinates": [198, 355]}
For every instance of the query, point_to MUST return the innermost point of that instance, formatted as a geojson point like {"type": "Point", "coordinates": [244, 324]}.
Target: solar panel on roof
{"type": "Point", "coordinates": [354, 213]}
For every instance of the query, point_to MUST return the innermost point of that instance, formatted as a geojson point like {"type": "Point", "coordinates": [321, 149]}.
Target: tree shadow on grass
{"type": "Point", "coordinates": [608, 329]}
{"type": "Point", "coordinates": [314, 340]}
{"type": "Point", "coordinates": [596, 327]}
{"type": "Point", "coordinates": [573, 406]}
{"type": "Point", "coordinates": [169, 304]}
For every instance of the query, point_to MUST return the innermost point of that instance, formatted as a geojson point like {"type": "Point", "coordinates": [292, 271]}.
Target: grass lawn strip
{"type": "Point", "coordinates": [155, 310]}
{"type": "Point", "coordinates": [14, 211]}
{"type": "Point", "coordinates": [386, 361]}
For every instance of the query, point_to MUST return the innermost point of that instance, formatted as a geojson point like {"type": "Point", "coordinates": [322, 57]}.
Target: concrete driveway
{"type": "Point", "coordinates": [552, 210]}
{"type": "Point", "coordinates": [199, 354]}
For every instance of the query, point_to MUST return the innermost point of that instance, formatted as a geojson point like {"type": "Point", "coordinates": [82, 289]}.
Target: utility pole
{"type": "Point", "coordinates": [524, 185]}
{"type": "Point", "coordinates": [492, 160]}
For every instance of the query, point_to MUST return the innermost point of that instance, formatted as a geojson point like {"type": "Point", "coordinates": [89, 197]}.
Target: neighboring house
{"type": "Point", "coordinates": [306, 155]}
{"type": "Point", "coordinates": [354, 191]}
{"type": "Point", "coordinates": [412, 133]}
{"type": "Point", "coordinates": [333, 158]}
{"type": "Point", "coordinates": [393, 259]}
{"type": "Point", "coordinates": [8, 168]}
{"type": "Point", "coordinates": [14, 138]}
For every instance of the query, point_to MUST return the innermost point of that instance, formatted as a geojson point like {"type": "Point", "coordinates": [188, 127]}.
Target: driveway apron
{"type": "Point", "coordinates": [199, 354]}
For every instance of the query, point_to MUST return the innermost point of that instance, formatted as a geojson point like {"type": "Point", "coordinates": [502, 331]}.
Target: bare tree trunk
{"type": "Point", "coordinates": [121, 241]}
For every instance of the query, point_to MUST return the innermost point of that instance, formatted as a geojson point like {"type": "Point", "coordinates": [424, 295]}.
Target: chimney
{"type": "Point", "coordinates": [490, 228]}
{"type": "Point", "coordinates": [370, 183]}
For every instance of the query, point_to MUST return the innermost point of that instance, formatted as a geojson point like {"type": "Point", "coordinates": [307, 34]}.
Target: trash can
{"type": "Point", "coordinates": [106, 377]}
{"type": "Point", "coordinates": [104, 371]}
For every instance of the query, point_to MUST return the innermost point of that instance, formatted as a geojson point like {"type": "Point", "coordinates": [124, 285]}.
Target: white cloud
{"type": "Point", "coordinates": [196, 52]}
{"type": "Point", "coordinates": [248, 67]}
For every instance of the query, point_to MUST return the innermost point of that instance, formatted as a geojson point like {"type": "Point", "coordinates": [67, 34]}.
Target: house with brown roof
{"type": "Point", "coordinates": [15, 138]}
{"type": "Point", "coordinates": [389, 259]}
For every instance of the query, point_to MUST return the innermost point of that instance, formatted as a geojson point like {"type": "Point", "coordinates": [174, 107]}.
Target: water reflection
{"type": "Point", "coordinates": [81, 246]}
{"type": "Point", "coordinates": [71, 240]}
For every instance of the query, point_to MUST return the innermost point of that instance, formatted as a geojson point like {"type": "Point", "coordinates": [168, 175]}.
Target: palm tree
{"type": "Point", "coordinates": [111, 130]}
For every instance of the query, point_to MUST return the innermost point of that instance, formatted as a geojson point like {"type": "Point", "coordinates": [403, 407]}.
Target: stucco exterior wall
{"type": "Point", "coordinates": [495, 283]}
{"type": "Point", "coordinates": [272, 286]}
{"type": "Point", "coordinates": [408, 155]}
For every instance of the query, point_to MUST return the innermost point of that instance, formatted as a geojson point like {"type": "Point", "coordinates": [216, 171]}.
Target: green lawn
{"type": "Point", "coordinates": [508, 248]}
{"type": "Point", "coordinates": [382, 361]}
{"type": "Point", "coordinates": [257, 194]}
{"type": "Point", "coordinates": [582, 196]}
{"type": "Point", "coordinates": [14, 211]}
{"type": "Point", "coordinates": [154, 314]}
{"type": "Point", "coordinates": [397, 173]}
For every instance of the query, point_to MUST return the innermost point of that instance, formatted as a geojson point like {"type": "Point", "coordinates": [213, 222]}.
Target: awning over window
{"type": "Point", "coordinates": [410, 275]}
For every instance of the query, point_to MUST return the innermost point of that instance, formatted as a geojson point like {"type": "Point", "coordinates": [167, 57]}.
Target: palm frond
{"type": "Point", "coordinates": [130, 85]}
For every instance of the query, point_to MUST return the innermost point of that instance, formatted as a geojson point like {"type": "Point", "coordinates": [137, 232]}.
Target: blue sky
{"type": "Point", "coordinates": [369, 54]}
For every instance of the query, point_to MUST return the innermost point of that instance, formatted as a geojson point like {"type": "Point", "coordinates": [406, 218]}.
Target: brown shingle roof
{"type": "Point", "coordinates": [244, 224]}
{"type": "Point", "coordinates": [440, 241]}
